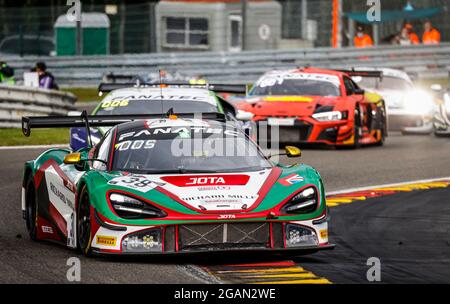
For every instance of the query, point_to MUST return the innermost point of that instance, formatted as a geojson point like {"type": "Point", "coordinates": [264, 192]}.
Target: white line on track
{"type": "Point", "coordinates": [33, 147]}
{"type": "Point", "coordinates": [388, 185]}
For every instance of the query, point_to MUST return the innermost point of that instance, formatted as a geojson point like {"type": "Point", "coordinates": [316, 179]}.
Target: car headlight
{"type": "Point", "coordinates": [298, 236]}
{"type": "Point", "coordinates": [303, 202]}
{"type": "Point", "coordinates": [131, 208]}
{"type": "Point", "coordinates": [328, 116]}
{"type": "Point", "coordinates": [418, 102]}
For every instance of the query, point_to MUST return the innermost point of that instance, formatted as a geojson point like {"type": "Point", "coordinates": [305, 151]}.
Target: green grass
{"type": "Point", "coordinates": [14, 137]}
{"type": "Point", "coordinates": [84, 94]}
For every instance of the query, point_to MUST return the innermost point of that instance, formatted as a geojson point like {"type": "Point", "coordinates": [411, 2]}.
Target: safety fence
{"type": "Point", "coordinates": [18, 101]}
{"type": "Point", "coordinates": [422, 61]}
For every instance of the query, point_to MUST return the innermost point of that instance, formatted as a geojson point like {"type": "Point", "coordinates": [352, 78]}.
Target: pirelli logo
{"type": "Point", "coordinates": [106, 240]}
{"type": "Point", "coordinates": [324, 234]}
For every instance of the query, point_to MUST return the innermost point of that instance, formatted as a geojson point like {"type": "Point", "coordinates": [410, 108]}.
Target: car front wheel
{"type": "Point", "coordinates": [84, 223]}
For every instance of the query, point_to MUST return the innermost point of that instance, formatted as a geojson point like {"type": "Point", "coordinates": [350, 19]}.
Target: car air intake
{"type": "Point", "coordinates": [224, 236]}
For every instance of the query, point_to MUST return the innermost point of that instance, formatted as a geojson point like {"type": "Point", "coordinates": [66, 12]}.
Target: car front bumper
{"type": "Point", "coordinates": [302, 237]}
{"type": "Point", "coordinates": [410, 123]}
{"type": "Point", "coordinates": [306, 130]}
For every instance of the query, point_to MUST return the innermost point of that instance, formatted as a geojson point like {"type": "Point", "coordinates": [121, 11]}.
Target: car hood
{"type": "Point", "coordinates": [286, 105]}
{"type": "Point", "coordinates": [202, 192]}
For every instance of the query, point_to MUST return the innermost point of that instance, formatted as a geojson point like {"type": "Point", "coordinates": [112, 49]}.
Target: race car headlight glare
{"type": "Point", "coordinates": [418, 102]}
{"type": "Point", "coordinates": [131, 208]}
{"type": "Point", "coordinates": [304, 202]}
{"type": "Point", "coordinates": [447, 102]}
{"type": "Point", "coordinates": [298, 236]}
{"type": "Point", "coordinates": [328, 116]}
{"type": "Point", "coordinates": [143, 241]}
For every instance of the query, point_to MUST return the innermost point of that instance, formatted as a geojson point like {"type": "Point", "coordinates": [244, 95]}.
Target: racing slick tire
{"type": "Point", "coordinates": [383, 137]}
{"type": "Point", "coordinates": [84, 223]}
{"type": "Point", "coordinates": [31, 209]}
{"type": "Point", "coordinates": [356, 129]}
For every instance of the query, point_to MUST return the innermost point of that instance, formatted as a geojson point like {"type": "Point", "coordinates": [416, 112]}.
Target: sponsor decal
{"type": "Point", "coordinates": [207, 180]}
{"type": "Point", "coordinates": [158, 97]}
{"type": "Point", "coordinates": [106, 240]}
{"type": "Point", "coordinates": [291, 180]}
{"type": "Point", "coordinates": [288, 99]}
{"type": "Point", "coordinates": [324, 233]}
{"type": "Point", "coordinates": [214, 188]}
{"type": "Point", "coordinates": [61, 196]}
{"type": "Point", "coordinates": [150, 132]}
{"type": "Point", "coordinates": [226, 216]}
{"type": "Point", "coordinates": [47, 229]}
{"type": "Point", "coordinates": [221, 197]}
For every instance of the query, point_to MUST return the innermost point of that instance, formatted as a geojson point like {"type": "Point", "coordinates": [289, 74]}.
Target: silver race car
{"type": "Point", "coordinates": [441, 117]}
{"type": "Point", "coordinates": [409, 109]}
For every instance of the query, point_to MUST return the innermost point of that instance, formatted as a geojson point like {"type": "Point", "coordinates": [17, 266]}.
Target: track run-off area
{"type": "Point", "coordinates": [374, 213]}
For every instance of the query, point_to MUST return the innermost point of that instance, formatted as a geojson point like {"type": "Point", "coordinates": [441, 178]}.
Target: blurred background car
{"type": "Point", "coordinates": [409, 109]}
{"type": "Point", "coordinates": [27, 45]}
{"type": "Point", "coordinates": [315, 106]}
{"type": "Point", "coordinates": [441, 117]}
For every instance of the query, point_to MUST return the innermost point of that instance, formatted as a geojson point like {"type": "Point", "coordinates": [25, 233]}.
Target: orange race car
{"type": "Point", "coordinates": [311, 105]}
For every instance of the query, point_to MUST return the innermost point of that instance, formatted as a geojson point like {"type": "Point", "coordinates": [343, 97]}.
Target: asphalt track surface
{"type": "Point", "coordinates": [409, 232]}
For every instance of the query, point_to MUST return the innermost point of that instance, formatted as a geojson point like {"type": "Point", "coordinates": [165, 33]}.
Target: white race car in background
{"type": "Point", "coordinates": [441, 119]}
{"type": "Point", "coordinates": [409, 109]}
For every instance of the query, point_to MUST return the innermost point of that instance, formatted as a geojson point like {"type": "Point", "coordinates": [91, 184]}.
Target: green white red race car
{"type": "Point", "coordinates": [169, 185]}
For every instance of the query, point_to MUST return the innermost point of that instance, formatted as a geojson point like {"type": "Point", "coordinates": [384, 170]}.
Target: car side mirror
{"type": "Point", "coordinates": [358, 91]}
{"type": "Point", "coordinates": [292, 151]}
{"type": "Point", "coordinates": [72, 159]}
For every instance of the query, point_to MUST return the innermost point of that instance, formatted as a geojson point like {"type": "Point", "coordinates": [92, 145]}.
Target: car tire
{"type": "Point", "coordinates": [383, 137]}
{"type": "Point", "coordinates": [31, 209]}
{"type": "Point", "coordinates": [356, 129]}
{"type": "Point", "coordinates": [84, 237]}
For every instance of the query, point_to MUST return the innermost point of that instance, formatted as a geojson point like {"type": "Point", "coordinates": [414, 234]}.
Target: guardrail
{"type": "Point", "coordinates": [424, 61]}
{"type": "Point", "coordinates": [18, 101]}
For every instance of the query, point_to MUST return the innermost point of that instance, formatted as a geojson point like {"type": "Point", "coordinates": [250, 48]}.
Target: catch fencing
{"type": "Point", "coordinates": [421, 61]}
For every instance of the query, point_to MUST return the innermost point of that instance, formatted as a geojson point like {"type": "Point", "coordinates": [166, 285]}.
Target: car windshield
{"type": "Point", "coordinates": [386, 83]}
{"type": "Point", "coordinates": [145, 106]}
{"type": "Point", "coordinates": [305, 87]}
{"type": "Point", "coordinates": [184, 149]}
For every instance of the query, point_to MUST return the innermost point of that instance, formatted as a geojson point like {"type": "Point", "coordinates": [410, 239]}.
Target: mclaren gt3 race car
{"type": "Point", "coordinates": [409, 109]}
{"type": "Point", "coordinates": [171, 185]}
{"type": "Point", "coordinates": [312, 105]}
{"type": "Point", "coordinates": [128, 98]}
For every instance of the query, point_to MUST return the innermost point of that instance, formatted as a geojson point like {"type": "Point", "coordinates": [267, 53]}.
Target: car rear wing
{"type": "Point", "coordinates": [218, 88]}
{"type": "Point", "coordinates": [363, 73]}
{"type": "Point", "coordinates": [84, 120]}
{"type": "Point", "coordinates": [113, 78]}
